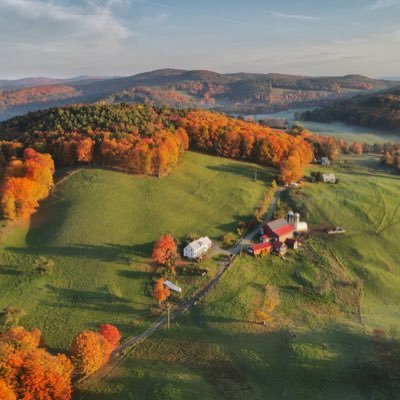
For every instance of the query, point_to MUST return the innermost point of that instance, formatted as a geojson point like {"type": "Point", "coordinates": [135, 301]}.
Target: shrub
{"type": "Point", "coordinates": [43, 265]}
{"type": "Point", "coordinates": [10, 316]}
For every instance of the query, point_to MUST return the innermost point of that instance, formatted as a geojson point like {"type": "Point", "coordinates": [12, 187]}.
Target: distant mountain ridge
{"type": "Point", "coordinates": [24, 83]}
{"type": "Point", "coordinates": [234, 92]}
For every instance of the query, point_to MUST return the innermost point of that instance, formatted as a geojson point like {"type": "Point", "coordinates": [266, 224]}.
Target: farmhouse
{"type": "Point", "coordinates": [329, 178]}
{"type": "Point", "coordinates": [259, 248]}
{"type": "Point", "coordinates": [197, 248]}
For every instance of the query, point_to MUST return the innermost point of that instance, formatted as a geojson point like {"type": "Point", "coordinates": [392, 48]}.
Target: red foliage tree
{"type": "Point", "coordinates": [111, 333]}
{"type": "Point", "coordinates": [44, 376]}
{"type": "Point", "coordinates": [164, 250]}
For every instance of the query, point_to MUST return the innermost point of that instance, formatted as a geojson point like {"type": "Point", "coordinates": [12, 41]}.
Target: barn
{"type": "Point", "coordinates": [279, 229]}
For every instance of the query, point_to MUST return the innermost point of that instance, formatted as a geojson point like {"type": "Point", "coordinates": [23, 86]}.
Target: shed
{"type": "Point", "coordinates": [280, 248]}
{"type": "Point", "coordinates": [259, 248]}
{"type": "Point", "coordinates": [329, 178]}
{"type": "Point", "coordinates": [292, 243]}
{"type": "Point", "coordinates": [172, 286]}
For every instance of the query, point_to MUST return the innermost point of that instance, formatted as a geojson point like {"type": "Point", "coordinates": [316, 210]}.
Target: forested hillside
{"type": "Point", "coordinates": [240, 92]}
{"type": "Point", "coordinates": [379, 110]}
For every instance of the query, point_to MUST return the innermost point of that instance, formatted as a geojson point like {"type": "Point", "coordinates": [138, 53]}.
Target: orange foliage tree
{"type": "Point", "coordinates": [165, 251]}
{"type": "Point", "coordinates": [291, 167]}
{"type": "Point", "coordinates": [29, 372]}
{"type": "Point", "coordinates": [160, 292]}
{"type": "Point", "coordinates": [357, 148]}
{"type": "Point", "coordinates": [26, 183]}
{"type": "Point", "coordinates": [89, 351]}
{"type": "Point", "coordinates": [111, 333]}
{"type": "Point", "coordinates": [6, 393]}
{"type": "Point", "coordinates": [84, 150]}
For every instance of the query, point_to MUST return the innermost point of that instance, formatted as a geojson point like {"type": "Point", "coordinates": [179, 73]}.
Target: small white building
{"type": "Point", "coordinates": [172, 286]}
{"type": "Point", "coordinates": [197, 248]}
{"type": "Point", "coordinates": [329, 178]}
{"type": "Point", "coordinates": [325, 161]}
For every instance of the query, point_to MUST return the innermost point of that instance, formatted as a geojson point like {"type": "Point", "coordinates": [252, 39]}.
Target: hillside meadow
{"type": "Point", "coordinates": [334, 292]}
{"type": "Point", "coordinates": [99, 227]}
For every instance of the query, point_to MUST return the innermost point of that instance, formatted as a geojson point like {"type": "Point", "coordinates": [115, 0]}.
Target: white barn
{"type": "Point", "coordinates": [197, 248]}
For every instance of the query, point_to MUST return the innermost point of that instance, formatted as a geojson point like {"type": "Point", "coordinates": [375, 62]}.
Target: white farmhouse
{"type": "Point", "coordinates": [329, 178]}
{"type": "Point", "coordinates": [197, 248]}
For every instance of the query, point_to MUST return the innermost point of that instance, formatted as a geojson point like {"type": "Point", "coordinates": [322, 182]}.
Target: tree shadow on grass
{"type": "Point", "coordinates": [121, 254]}
{"type": "Point", "coordinates": [91, 300]}
{"type": "Point", "coordinates": [134, 274]}
{"type": "Point", "coordinates": [245, 171]}
{"type": "Point", "coordinates": [9, 270]}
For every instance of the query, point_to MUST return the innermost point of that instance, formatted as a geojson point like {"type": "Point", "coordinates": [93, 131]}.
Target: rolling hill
{"type": "Point", "coordinates": [377, 110]}
{"type": "Point", "coordinates": [237, 92]}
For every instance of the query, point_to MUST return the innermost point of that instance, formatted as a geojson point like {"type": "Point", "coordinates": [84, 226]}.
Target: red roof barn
{"type": "Point", "coordinates": [259, 248]}
{"type": "Point", "coordinates": [279, 229]}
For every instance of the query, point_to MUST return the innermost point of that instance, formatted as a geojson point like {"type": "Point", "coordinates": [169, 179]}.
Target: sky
{"type": "Point", "coordinates": [65, 38]}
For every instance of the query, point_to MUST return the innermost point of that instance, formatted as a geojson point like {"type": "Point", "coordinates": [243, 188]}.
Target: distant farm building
{"type": "Point", "coordinates": [329, 178]}
{"type": "Point", "coordinates": [260, 248]}
{"type": "Point", "coordinates": [197, 248]}
{"type": "Point", "coordinates": [325, 161]}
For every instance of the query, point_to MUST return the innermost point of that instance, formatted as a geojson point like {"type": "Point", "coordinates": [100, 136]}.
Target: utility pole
{"type": "Point", "coordinates": [169, 314]}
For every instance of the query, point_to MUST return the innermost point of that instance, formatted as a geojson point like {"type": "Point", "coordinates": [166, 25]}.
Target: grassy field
{"type": "Point", "coordinates": [99, 228]}
{"type": "Point", "coordinates": [334, 292]}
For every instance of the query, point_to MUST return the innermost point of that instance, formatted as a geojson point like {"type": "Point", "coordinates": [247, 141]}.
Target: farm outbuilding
{"type": "Point", "coordinates": [325, 161]}
{"type": "Point", "coordinates": [292, 243]}
{"type": "Point", "coordinates": [329, 178]}
{"type": "Point", "coordinates": [172, 286]}
{"type": "Point", "coordinates": [280, 248]}
{"type": "Point", "coordinates": [294, 219]}
{"type": "Point", "coordinates": [259, 248]}
{"type": "Point", "coordinates": [197, 248]}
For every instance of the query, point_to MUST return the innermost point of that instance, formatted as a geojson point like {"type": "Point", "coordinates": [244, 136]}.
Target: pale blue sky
{"type": "Point", "coordinates": [61, 38]}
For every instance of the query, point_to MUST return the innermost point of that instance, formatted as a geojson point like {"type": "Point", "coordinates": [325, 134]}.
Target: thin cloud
{"type": "Point", "coordinates": [381, 4]}
{"type": "Point", "coordinates": [295, 16]}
